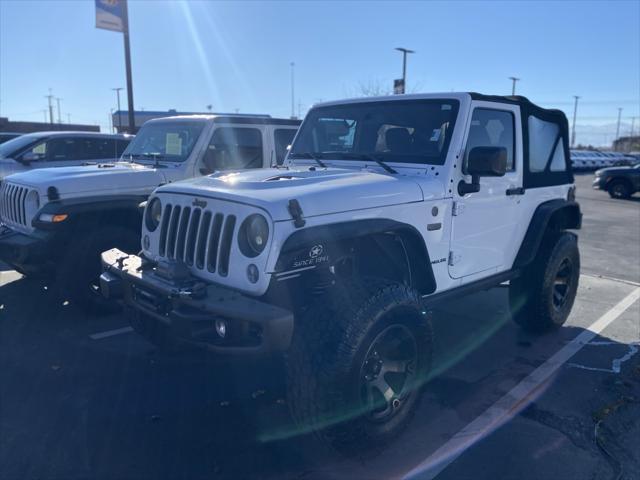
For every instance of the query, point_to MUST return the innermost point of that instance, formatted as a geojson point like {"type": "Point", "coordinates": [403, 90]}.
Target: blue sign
{"type": "Point", "coordinates": [110, 14]}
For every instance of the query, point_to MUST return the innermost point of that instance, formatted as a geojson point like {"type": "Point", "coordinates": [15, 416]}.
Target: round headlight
{"type": "Point", "coordinates": [254, 234]}
{"type": "Point", "coordinates": [153, 213]}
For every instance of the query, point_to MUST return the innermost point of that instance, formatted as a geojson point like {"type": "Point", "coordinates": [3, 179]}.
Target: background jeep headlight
{"type": "Point", "coordinates": [152, 214]}
{"type": "Point", "coordinates": [253, 235]}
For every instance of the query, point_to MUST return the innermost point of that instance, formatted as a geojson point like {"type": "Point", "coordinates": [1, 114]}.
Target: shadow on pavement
{"type": "Point", "coordinates": [116, 408]}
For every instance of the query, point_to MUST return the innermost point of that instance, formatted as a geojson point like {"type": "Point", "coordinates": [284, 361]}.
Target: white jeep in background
{"type": "Point", "coordinates": [385, 207]}
{"type": "Point", "coordinates": [55, 223]}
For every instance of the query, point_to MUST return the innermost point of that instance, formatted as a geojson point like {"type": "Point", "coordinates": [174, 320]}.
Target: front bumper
{"type": "Point", "coordinates": [599, 183]}
{"type": "Point", "coordinates": [25, 253]}
{"type": "Point", "coordinates": [188, 309]}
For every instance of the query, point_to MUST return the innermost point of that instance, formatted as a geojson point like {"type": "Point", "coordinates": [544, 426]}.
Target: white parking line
{"type": "Point", "coordinates": [110, 333]}
{"type": "Point", "coordinates": [518, 398]}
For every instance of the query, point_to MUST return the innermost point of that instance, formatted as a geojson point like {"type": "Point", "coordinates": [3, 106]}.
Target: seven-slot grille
{"type": "Point", "coordinates": [13, 199]}
{"type": "Point", "coordinates": [197, 237]}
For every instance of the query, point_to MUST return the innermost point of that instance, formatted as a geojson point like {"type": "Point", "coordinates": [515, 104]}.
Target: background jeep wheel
{"type": "Point", "coordinates": [542, 297]}
{"type": "Point", "coordinates": [79, 270]}
{"type": "Point", "coordinates": [619, 189]}
{"type": "Point", "coordinates": [357, 362]}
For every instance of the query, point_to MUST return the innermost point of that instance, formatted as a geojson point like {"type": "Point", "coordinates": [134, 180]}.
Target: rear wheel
{"type": "Point", "coordinates": [542, 297]}
{"type": "Point", "coordinates": [78, 274]}
{"type": "Point", "coordinates": [619, 189]}
{"type": "Point", "coordinates": [357, 362]}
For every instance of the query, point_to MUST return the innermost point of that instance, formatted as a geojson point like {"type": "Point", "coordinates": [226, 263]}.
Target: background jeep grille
{"type": "Point", "coordinates": [13, 210]}
{"type": "Point", "coordinates": [197, 237]}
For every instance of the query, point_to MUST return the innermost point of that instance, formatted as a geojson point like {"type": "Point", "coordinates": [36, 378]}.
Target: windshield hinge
{"type": "Point", "coordinates": [454, 258]}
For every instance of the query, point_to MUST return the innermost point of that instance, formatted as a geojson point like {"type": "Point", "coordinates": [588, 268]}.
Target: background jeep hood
{"type": "Point", "coordinates": [319, 192]}
{"type": "Point", "coordinates": [92, 179]}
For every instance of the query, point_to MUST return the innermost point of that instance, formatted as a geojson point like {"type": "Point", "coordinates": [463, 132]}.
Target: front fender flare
{"type": "Point", "coordinates": [300, 248]}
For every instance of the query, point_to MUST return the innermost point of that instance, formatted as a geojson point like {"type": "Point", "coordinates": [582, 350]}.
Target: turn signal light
{"type": "Point", "coordinates": [48, 217]}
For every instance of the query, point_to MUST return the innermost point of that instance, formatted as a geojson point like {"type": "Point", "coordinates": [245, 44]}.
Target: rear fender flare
{"type": "Point", "coordinates": [554, 215]}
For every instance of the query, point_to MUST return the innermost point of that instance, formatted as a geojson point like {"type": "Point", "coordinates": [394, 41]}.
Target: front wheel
{"type": "Point", "coordinates": [619, 189]}
{"type": "Point", "coordinates": [542, 297]}
{"type": "Point", "coordinates": [357, 363]}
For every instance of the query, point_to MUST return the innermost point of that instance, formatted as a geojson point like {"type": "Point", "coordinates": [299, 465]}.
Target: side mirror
{"type": "Point", "coordinates": [487, 161]}
{"type": "Point", "coordinates": [483, 162]}
{"type": "Point", "coordinates": [29, 157]}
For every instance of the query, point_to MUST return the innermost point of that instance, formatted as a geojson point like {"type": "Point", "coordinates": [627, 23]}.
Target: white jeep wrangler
{"type": "Point", "coordinates": [56, 222]}
{"type": "Point", "coordinates": [386, 206]}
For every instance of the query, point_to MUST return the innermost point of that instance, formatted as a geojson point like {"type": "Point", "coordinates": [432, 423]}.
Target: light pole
{"type": "Point", "coordinates": [117, 90]}
{"type": "Point", "coordinates": [573, 128]}
{"type": "Point", "coordinates": [49, 98]}
{"type": "Point", "coordinates": [293, 108]}
{"type": "Point", "coordinates": [513, 84]}
{"type": "Point", "coordinates": [618, 127]}
{"type": "Point", "coordinates": [58, 102]}
{"type": "Point", "coordinates": [404, 51]}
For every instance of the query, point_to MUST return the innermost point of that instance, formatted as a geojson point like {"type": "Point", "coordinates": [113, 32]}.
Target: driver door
{"type": "Point", "coordinates": [484, 223]}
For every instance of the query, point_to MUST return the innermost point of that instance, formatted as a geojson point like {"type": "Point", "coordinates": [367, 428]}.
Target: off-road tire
{"type": "Point", "coordinates": [325, 361]}
{"type": "Point", "coordinates": [537, 298]}
{"type": "Point", "coordinates": [619, 189]}
{"type": "Point", "coordinates": [81, 266]}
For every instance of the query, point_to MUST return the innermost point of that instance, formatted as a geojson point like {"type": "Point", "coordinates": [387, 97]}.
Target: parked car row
{"type": "Point", "coordinates": [593, 159]}
{"type": "Point", "coordinates": [59, 149]}
{"type": "Point", "coordinates": [214, 235]}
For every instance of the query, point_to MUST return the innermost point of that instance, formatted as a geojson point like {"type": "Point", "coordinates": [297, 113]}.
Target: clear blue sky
{"type": "Point", "coordinates": [236, 55]}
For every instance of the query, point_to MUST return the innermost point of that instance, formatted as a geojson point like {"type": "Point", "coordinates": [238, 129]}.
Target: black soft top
{"type": "Point", "coordinates": [545, 178]}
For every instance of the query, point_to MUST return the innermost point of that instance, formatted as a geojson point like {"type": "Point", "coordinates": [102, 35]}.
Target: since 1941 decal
{"type": "Point", "coordinates": [315, 256]}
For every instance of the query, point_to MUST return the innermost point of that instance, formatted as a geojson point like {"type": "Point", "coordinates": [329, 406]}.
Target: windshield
{"type": "Point", "coordinates": [168, 141]}
{"type": "Point", "coordinates": [403, 131]}
{"type": "Point", "coordinates": [14, 146]}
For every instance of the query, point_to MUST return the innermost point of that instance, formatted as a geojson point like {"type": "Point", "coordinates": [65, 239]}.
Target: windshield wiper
{"type": "Point", "coordinates": [370, 156]}
{"type": "Point", "coordinates": [313, 156]}
{"type": "Point", "coordinates": [361, 156]}
{"type": "Point", "coordinates": [154, 156]}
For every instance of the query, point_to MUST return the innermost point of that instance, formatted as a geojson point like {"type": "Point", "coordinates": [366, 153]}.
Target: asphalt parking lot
{"type": "Point", "coordinates": [84, 397]}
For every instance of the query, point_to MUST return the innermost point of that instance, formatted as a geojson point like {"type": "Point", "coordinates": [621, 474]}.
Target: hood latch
{"type": "Point", "coordinates": [295, 210]}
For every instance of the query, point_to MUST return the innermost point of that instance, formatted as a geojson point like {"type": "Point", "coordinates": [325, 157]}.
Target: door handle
{"type": "Point", "coordinates": [515, 191]}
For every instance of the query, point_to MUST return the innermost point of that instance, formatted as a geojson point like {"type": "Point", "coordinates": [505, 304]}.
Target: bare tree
{"type": "Point", "coordinates": [372, 88]}
{"type": "Point", "coordinates": [375, 88]}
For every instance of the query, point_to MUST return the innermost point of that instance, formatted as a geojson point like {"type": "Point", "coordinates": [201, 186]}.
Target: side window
{"type": "Point", "coordinates": [121, 145]}
{"type": "Point", "coordinates": [100, 148]}
{"type": "Point", "coordinates": [234, 148]}
{"type": "Point", "coordinates": [492, 128]}
{"type": "Point", "coordinates": [283, 138]}
{"type": "Point", "coordinates": [37, 153]}
{"type": "Point", "coordinates": [545, 146]}
{"type": "Point", "coordinates": [61, 149]}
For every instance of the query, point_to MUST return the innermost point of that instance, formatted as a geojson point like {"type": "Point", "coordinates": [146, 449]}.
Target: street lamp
{"type": "Point", "coordinates": [573, 128]}
{"type": "Point", "coordinates": [117, 90]}
{"type": "Point", "coordinates": [404, 51]}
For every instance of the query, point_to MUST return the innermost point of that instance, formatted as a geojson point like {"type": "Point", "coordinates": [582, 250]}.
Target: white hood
{"type": "Point", "coordinates": [105, 179]}
{"type": "Point", "coordinates": [318, 192]}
